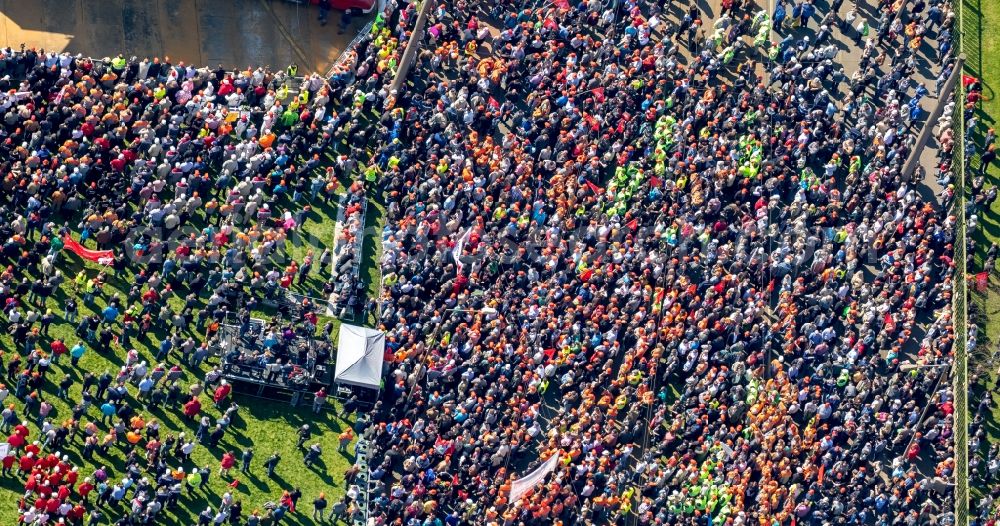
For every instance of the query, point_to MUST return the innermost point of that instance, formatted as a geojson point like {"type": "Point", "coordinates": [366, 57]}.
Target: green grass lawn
{"type": "Point", "coordinates": [372, 254]}
{"type": "Point", "coordinates": [981, 21]}
{"type": "Point", "coordinates": [980, 24]}
{"type": "Point", "coordinates": [266, 426]}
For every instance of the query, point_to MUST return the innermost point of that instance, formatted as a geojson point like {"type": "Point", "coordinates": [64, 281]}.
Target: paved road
{"type": "Point", "coordinates": [205, 32]}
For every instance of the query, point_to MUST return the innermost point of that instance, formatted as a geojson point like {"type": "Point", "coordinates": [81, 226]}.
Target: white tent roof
{"type": "Point", "coordinates": [359, 356]}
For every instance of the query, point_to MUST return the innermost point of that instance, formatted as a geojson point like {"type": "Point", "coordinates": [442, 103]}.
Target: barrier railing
{"type": "Point", "coordinates": [364, 481]}
{"type": "Point", "coordinates": [386, 9]}
{"type": "Point", "coordinates": [960, 318]}
{"type": "Point", "coordinates": [365, 31]}
{"type": "Point", "coordinates": [355, 250]}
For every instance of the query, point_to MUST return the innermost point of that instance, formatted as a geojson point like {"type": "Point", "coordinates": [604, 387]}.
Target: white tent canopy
{"type": "Point", "coordinates": [360, 352]}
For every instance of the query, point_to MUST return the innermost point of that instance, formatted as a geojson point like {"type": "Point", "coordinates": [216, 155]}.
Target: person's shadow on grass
{"type": "Point", "coordinates": [259, 483]}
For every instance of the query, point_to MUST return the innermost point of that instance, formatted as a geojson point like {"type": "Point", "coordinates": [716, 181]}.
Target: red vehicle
{"type": "Point", "coordinates": [365, 6]}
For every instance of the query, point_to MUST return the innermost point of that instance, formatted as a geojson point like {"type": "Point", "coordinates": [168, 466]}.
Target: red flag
{"type": "Point", "coordinates": [633, 224]}
{"type": "Point", "coordinates": [493, 103]}
{"type": "Point", "coordinates": [599, 94]}
{"type": "Point", "coordinates": [982, 281]}
{"type": "Point", "coordinates": [658, 299]}
{"type": "Point", "coordinates": [97, 256]}
{"type": "Point", "coordinates": [822, 471]}
{"type": "Point", "coordinates": [593, 187]}
{"type": "Point", "coordinates": [585, 275]}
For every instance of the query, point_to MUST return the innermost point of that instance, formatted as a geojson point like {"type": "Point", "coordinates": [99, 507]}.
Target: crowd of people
{"type": "Point", "coordinates": [675, 249]}
{"type": "Point", "coordinates": [672, 248]}
{"type": "Point", "coordinates": [275, 354]}
{"type": "Point", "coordinates": [194, 185]}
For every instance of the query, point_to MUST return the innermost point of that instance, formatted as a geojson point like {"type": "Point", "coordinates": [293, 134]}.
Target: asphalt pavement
{"type": "Point", "coordinates": [233, 33]}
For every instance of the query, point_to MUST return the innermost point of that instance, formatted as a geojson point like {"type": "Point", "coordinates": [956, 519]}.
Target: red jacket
{"type": "Point", "coordinates": [58, 348]}
{"type": "Point", "coordinates": [85, 489]}
{"type": "Point", "coordinates": [192, 407]}
{"type": "Point", "coordinates": [222, 392]}
{"type": "Point", "coordinates": [50, 461]}
{"type": "Point", "coordinates": [31, 483]}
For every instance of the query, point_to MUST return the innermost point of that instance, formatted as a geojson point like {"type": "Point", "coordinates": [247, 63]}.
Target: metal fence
{"type": "Point", "coordinates": [386, 8]}
{"type": "Point", "coordinates": [960, 378]}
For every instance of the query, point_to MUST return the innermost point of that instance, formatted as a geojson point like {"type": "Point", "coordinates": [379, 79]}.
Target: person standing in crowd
{"type": "Point", "coordinates": [319, 507]}
{"type": "Point", "coordinates": [271, 464]}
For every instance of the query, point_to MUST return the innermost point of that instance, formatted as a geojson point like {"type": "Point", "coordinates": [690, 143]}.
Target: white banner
{"type": "Point", "coordinates": [456, 252]}
{"type": "Point", "coordinates": [524, 484]}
